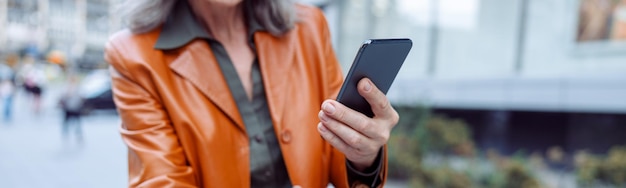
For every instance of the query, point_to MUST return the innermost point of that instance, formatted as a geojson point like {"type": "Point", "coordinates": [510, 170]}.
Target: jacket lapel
{"type": "Point", "coordinates": [276, 56]}
{"type": "Point", "coordinates": [198, 65]}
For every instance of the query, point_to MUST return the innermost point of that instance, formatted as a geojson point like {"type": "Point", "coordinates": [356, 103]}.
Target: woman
{"type": "Point", "coordinates": [227, 93]}
{"type": "Point", "coordinates": [72, 102]}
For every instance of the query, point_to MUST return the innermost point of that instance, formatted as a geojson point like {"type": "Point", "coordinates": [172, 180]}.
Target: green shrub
{"type": "Point", "coordinates": [595, 169]}
{"type": "Point", "coordinates": [420, 133]}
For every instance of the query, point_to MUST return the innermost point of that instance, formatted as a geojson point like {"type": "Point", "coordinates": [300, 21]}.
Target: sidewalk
{"type": "Point", "coordinates": [33, 154]}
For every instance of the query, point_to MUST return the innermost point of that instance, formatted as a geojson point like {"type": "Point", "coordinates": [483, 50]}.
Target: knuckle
{"type": "Point", "coordinates": [354, 151]}
{"type": "Point", "coordinates": [374, 148]}
{"type": "Point", "coordinates": [333, 140]}
{"type": "Point", "coordinates": [340, 114]}
{"type": "Point", "coordinates": [395, 118]}
{"type": "Point", "coordinates": [327, 136]}
{"type": "Point", "coordinates": [363, 124]}
{"type": "Point", "coordinates": [359, 152]}
{"type": "Point", "coordinates": [355, 141]}
{"type": "Point", "coordinates": [383, 103]}
{"type": "Point", "coordinates": [370, 128]}
{"type": "Point", "coordinates": [385, 136]}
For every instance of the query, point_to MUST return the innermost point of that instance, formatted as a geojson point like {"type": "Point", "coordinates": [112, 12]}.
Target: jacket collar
{"type": "Point", "coordinates": [196, 62]}
{"type": "Point", "coordinates": [181, 27]}
{"type": "Point", "coordinates": [276, 58]}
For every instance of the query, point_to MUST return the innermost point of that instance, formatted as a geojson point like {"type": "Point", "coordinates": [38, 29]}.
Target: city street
{"type": "Point", "coordinates": [33, 153]}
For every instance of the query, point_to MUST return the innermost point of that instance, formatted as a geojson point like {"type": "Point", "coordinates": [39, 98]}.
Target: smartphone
{"type": "Point", "coordinates": [379, 60]}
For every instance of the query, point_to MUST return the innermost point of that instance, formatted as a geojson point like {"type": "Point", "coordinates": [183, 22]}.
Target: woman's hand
{"type": "Point", "coordinates": [359, 137]}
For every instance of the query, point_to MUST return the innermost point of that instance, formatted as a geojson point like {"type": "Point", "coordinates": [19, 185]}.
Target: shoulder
{"type": "Point", "coordinates": [124, 48]}
{"type": "Point", "coordinates": [308, 12]}
{"type": "Point", "coordinates": [311, 30]}
{"type": "Point", "coordinates": [310, 18]}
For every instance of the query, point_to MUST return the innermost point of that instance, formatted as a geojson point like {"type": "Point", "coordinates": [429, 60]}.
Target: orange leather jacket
{"type": "Point", "coordinates": [182, 126]}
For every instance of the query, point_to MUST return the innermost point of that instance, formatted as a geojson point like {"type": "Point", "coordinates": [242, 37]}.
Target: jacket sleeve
{"type": "Point", "coordinates": [155, 157]}
{"type": "Point", "coordinates": [333, 78]}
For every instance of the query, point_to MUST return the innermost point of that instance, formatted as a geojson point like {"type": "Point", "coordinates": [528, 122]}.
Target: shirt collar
{"type": "Point", "coordinates": [181, 28]}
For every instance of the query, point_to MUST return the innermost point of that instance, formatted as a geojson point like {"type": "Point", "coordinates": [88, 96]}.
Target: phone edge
{"type": "Point", "coordinates": [353, 66]}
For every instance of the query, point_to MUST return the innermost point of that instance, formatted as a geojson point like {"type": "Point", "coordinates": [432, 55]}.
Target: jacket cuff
{"type": "Point", "coordinates": [371, 175]}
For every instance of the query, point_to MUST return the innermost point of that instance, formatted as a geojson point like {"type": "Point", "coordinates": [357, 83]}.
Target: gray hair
{"type": "Point", "coordinates": [276, 16]}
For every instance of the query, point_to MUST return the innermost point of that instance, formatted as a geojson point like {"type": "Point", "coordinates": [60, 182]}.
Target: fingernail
{"type": "Point", "coordinates": [322, 116]}
{"type": "Point", "coordinates": [368, 86]}
{"type": "Point", "coordinates": [329, 108]}
{"type": "Point", "coordinates": [322, 128]}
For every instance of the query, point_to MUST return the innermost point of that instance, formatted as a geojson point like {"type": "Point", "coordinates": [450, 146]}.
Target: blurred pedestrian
{"type": "Point", "coordinates": [7, 85]}
{"type": "Point", "coordinates": [7, 90]}
{"type": "Point", "coordinates": [35, 90]}
{"type": "Point", "coordinates": [71, 102]}
{"type": "Point", "coordinates": [33, 79]}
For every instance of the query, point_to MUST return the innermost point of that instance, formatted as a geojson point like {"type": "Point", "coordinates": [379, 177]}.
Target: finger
{"type": "Point", "coordinates": [354, 119]}
{"type": "Point", "coordinates": [378, 101]}
{"type": "Point", "coordinates": [348, 135]}
{"type": "Point", "coordinates": [331, 138]}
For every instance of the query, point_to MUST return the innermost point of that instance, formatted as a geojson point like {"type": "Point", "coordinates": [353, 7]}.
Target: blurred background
{"type": "Point", "coordinates": [495, 93]}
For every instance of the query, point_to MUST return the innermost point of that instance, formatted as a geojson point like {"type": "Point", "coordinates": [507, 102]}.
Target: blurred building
{"type": "Point", "coordinates": [491, 54]}
{"type": "Point", "coordinates": [531, 72]}
{"type": "Point", "coordinates": [78, 28]}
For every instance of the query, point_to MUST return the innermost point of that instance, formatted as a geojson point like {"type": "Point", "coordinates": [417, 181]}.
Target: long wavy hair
{"type": "Point", "coordinates": [276, 16]}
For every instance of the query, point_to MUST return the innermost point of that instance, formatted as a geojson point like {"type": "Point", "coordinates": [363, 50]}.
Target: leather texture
{"type": "Point", "coordinates": [182, 126]}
